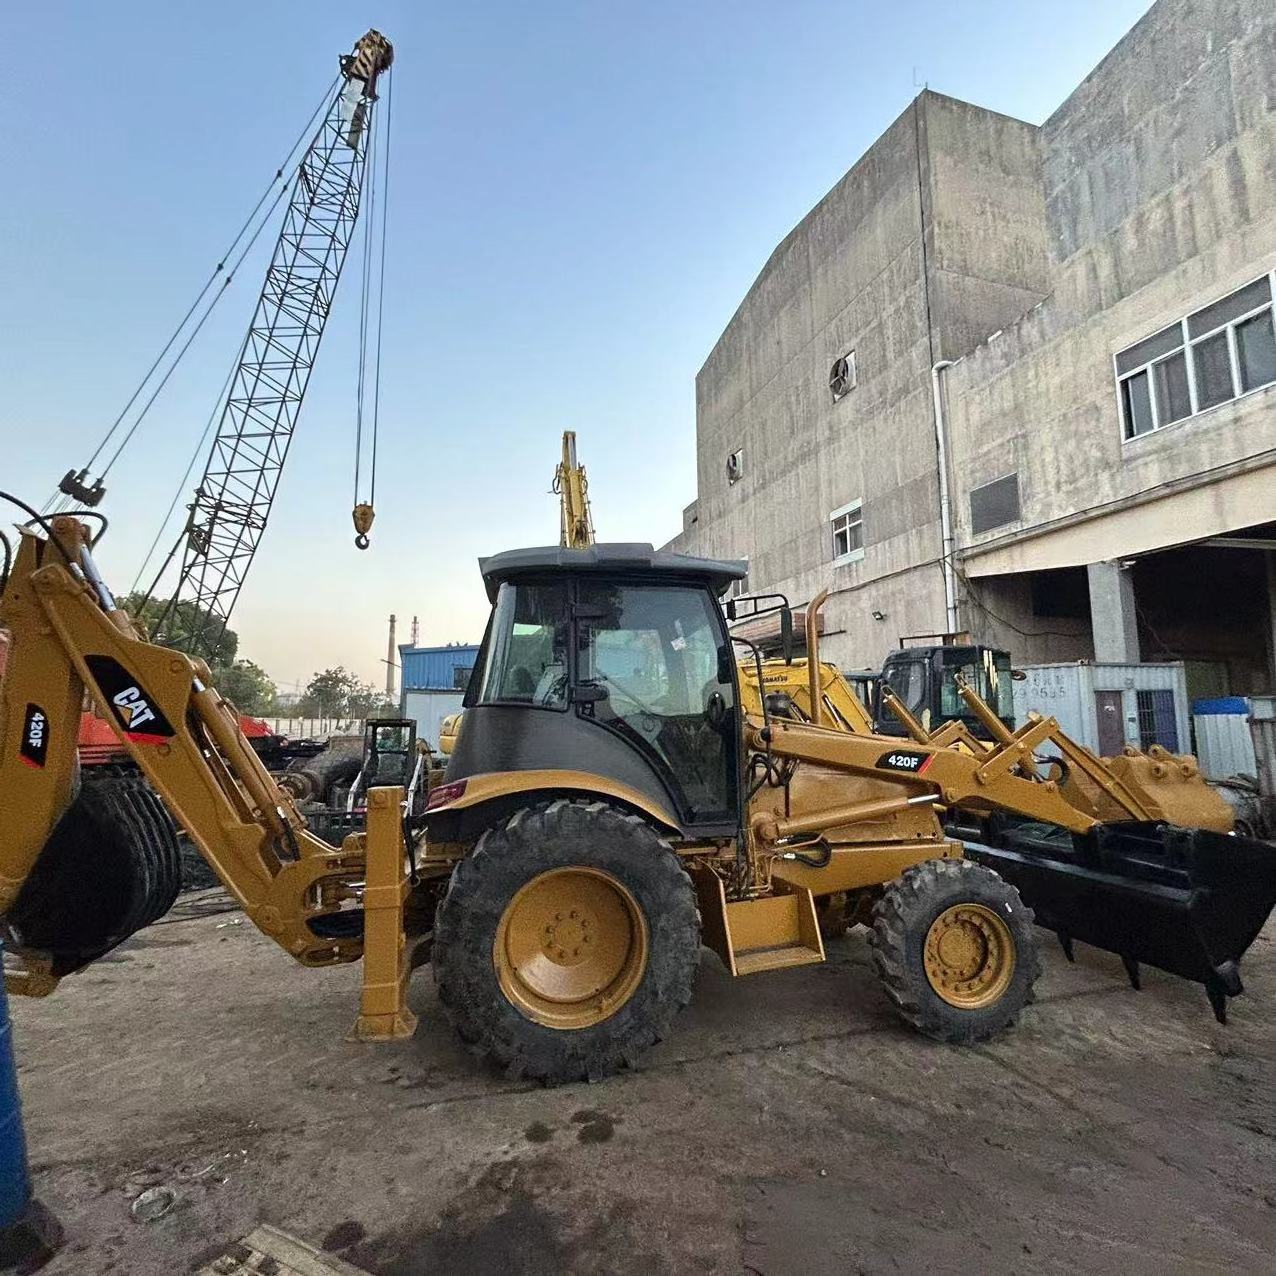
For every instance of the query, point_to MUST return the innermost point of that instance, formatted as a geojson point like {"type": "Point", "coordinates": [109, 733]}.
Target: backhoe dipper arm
{"type": "Point", "coordinates": [68, 637]}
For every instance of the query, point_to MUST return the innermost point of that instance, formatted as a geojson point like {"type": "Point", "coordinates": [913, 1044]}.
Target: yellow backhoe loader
{"type": "Point", "coordinates": [608, 806]}
{"type": "Point", "coordinates": [1180, 900]}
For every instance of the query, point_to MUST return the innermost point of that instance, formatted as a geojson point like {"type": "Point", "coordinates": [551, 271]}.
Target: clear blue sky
{"type": "Point", "coordinates": [581, 194]}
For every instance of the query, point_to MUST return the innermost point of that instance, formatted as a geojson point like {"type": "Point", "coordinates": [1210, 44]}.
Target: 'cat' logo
{"type": "Point", "coordinates": [34, 749]}
{"type": "Point", "coordinates": [136, 712]}
{"type": "Point", "coordinates": [133, 708]}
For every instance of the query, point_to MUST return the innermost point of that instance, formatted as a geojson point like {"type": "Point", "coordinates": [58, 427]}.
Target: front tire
{"type": "Point", "coordinates": [567, 941]}
{"type": "Point", "coordinates": [955, 949]}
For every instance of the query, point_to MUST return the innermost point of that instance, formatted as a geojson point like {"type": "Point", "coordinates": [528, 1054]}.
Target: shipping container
{"type": "Point", "coordinates": [1262, 725]}
{"type": "Point", "coordinates": [1224, 746]}
{"type": "Point", "coordinates": [1108, 706]}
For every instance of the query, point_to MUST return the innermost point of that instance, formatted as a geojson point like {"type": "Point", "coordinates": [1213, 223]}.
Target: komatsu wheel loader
{"type": "Point", "coordinates": [608, 808]}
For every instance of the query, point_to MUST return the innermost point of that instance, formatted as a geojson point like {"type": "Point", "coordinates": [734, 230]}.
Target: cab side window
{"type": "Point", "coordinates": [526, 655]}
{"type": "Point", "coordinates": [907, 679]}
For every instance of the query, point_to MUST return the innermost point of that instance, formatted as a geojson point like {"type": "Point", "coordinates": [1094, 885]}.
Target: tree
{"type": "Point", "coordinates": [337, 693]}
{"type": "Point", "coordinates": [328, 694]}
{"type": "Point", "coordinates": [370, 702]}
{"type": "Point", "coordinates": [181, 622]}
{"type": "Point", "coordinates": [248, 687]}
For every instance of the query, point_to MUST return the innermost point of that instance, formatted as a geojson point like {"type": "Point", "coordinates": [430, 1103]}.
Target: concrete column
{"type": "Point", "coordinates": [1271, 617]}
{"type": "Point", "coordinates": [1113, 619]}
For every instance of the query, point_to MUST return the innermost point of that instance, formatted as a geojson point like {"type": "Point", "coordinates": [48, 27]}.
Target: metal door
{"type": "Point", "coordinates": [1108, 712]}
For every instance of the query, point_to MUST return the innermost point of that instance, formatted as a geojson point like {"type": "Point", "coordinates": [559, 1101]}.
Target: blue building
{"type": "Point", "coordinates": [433, 681]}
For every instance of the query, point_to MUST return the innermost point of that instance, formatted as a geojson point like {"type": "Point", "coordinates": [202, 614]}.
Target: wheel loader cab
{"type": "Point", "coordinates": [925, 680]}
{"type": "Point", "coordinates": [614, 661]}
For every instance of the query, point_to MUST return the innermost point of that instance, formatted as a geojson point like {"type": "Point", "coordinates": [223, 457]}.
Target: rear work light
{"type": "Point", "coordinates": [444, 794]}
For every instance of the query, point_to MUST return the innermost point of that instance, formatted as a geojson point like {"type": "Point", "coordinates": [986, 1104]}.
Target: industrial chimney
{"type": "Point", "coordinates": [390, 662]}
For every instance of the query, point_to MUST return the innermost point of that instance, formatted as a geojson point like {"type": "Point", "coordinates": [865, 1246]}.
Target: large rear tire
{"type": "Point", "coordinates": [955, 949]}
{"type": "Point", "coordinates": [567, 941]}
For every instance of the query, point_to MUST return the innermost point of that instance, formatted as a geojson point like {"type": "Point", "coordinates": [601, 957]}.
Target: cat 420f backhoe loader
{"type": "Point", "coordinates": [608, 807]}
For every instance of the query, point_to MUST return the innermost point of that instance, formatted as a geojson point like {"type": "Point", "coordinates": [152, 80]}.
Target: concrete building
{"type": "Point", "coordinates": [1021, 380]}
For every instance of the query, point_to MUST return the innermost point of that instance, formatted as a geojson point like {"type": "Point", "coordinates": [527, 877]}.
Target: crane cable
{"type": "Point", "coordinates": [374, 247]}
{"type": "Point", "coordinates": [61, 500]}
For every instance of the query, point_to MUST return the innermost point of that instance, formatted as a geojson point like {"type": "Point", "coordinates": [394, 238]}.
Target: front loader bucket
{"type": "Point", "coordinates": [1188, 901]}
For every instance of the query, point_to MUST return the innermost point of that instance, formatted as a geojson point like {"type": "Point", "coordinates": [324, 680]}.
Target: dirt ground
{"type": "Point", "coordinates": [787, 1126]}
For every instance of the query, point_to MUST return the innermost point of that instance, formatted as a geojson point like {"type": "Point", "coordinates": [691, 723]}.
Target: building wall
{"type": "Point", "coordinates": [895, 264]}
{"type": "Point", "coordinates": [1159, 176]}
{"type": "Point", "coordinates": [1028, 257]}
{"type": "Point", "coordinates": [428, 709]}
{"type": "Point", "coordinates": [434, 667]}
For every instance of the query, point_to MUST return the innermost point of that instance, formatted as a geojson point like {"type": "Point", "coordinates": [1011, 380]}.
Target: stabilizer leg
{"type": "Point", "coordinates": [1065, 942]}
{"type": "Point", "coordinates": [1218, 1000]}
{"type": "Point", "coordinates": [387, 960]}
{"type": "Point", "coordinates": [1132, 971]}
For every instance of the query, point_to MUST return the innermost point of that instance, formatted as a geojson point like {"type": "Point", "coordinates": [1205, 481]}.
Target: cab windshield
{"type": "Point", "coordinates": [987, 672]}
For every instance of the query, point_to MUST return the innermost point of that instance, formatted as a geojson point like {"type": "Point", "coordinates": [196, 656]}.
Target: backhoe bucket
{"type": "Point", "coordinates": [1188, 901]}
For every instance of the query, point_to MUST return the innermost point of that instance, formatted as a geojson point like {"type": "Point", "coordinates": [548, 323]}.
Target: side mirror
{"type": "Point", "coordinates": [726, 666]}
{"type": "Point", "coordinates": [786, 634]}
{"type": "Point", "coordinates": [730, 608]}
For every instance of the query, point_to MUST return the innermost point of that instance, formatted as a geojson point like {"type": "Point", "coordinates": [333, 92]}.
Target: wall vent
{"type": "Point", "coordinates": [735, 466]}
{"type": "Point", "coordinates": [842, 375]}
{"type": "Point", "coordinates": [994, 504]}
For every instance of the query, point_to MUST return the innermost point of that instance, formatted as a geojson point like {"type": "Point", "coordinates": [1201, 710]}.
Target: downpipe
{"type": "Point", "coordinates": [945, 503]}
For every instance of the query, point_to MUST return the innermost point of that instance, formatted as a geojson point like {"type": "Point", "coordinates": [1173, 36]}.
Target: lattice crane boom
{"type": "Point", "coordinates": [232, 501]}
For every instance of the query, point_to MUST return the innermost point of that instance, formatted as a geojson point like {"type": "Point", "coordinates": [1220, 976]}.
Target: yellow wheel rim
{"type": "Point", "coordinates": [571, 948]}
{"type": "Point", "coordinates": [969, 955]}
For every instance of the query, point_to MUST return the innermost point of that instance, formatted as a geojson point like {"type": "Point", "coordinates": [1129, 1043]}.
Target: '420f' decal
{"type": "Point", "coordinates": [904, 760]}
{"type": "Point", "coordinates": [34, 749]}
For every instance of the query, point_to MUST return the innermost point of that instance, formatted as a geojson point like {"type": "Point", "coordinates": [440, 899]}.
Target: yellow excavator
{"type": "Point", "coordinates": [609, 806]}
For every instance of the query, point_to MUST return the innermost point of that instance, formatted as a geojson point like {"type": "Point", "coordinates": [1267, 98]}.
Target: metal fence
{"type": "Point", "coordinates": [314, 728]}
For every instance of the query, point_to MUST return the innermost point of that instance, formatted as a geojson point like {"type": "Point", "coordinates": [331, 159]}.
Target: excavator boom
{"type": "Point", "coordinates": [576, 529]}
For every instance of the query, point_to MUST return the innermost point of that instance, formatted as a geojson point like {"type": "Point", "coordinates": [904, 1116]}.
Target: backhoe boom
{"type": "Point", "coordinates": [67, 638]}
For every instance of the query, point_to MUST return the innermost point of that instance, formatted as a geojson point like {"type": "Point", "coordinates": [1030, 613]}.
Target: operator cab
{"type": "Point", "coordinates": [925, 679]}
{"type": "Point", "coordinates": [612, 660]}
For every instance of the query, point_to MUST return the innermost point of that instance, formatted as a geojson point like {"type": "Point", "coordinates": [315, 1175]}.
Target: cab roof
{"type": "Point", "coordinates": [613, 560]}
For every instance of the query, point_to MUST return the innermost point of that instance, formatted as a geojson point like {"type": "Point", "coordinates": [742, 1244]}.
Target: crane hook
{"type": "Point", "coordinates": [363, 515]}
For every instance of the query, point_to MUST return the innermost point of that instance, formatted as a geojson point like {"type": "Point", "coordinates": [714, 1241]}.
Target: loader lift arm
{"type": "Point", "coordinates": [67, 638]}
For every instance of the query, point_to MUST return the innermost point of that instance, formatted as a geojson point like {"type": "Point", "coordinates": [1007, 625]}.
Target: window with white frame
{"type": "Point", "coordinates": [1217, 353]}
{"type": "Point", "coordinates": [848, 532]}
